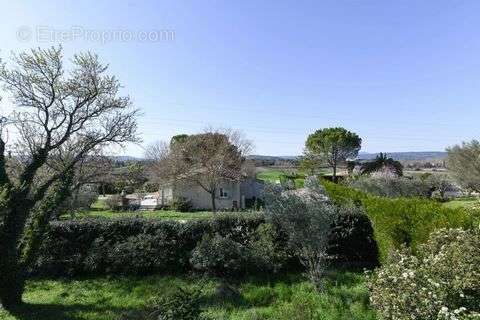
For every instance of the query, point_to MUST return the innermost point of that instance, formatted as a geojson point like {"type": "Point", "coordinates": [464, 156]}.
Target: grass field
{"type": "Point", "coordinates": [292, 298]}
{"type": "Point", "coordinates": [275, 176]}
{"type": "Point", "coordinates": [270, 175]}
{"type": "Point", "coordinates": [157, 214]}
{"type": "Point", "coordinates": [99, 210]}
{"type": "Point", "coordinates": [470, 203]}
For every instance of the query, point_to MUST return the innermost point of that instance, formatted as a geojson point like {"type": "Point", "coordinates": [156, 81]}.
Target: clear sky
{"type": "Point", "coordinates": [404, 75]}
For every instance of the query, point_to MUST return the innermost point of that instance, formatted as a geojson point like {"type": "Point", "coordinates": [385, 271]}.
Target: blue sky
{"type": "Point", "coordinates": [404, 75]}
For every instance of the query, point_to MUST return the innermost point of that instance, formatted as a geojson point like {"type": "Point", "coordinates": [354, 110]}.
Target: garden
{"type": "Point", "coordinates": [371, 244]}
{"type": "Point", "coordinates": [264, 265]}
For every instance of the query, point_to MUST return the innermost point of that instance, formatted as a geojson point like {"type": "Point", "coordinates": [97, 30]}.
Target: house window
{"type": "Point", "coordinates": [223, 193]}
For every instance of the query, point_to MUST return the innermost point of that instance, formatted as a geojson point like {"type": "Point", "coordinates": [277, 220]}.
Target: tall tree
{"type": "Point", "coordinates": [205, 159]}
{"type": "Point", "coordinates": [60, 117]}
{"type": "Point", "coordinates": [463, 161]}
{"type": "Point", "coordinates": [332, 146]}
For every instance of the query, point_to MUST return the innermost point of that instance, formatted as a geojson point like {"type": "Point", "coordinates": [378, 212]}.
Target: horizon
{"type": "Point", "coordinates": [403, 75]}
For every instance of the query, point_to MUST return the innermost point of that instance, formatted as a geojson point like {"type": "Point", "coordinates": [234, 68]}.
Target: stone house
{"type": "Point", "coordinates": [230, 194]}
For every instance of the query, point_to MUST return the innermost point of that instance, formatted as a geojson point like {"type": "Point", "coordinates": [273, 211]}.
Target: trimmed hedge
{"type": "Point", "coordinates": [132, 245]}
{"type": "Point", "coordinates": [398, 221]}
{"type": "Point", "coordinates": [140, 246]}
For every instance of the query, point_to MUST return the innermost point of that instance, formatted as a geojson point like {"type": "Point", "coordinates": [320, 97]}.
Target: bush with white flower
{"type": "Point", "coordinates": [441, 282]}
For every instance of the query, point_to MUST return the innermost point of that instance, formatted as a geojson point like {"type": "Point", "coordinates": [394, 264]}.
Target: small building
{"type": "Point", "coordinates": [229, 195]}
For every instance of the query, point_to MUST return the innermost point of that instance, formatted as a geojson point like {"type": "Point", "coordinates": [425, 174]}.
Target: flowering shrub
{"type": "Point", "coordinates": [442, 282]}
{"type": "Point", "coordinates": [387, 184]}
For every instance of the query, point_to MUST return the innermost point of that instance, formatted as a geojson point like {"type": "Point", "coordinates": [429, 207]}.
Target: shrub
{"type": "Point", "coordinates": [140, 246]}
{"type": "Point", "coordinates": [220, 256]}
{"type": "Point", "coordinates": [182, 304]}
{"type": "Point", "coordinates": [181, 204]}
{"type": "Point", "coordinates": [402, 221]}
{"type": "Point", "coordinates": [268, 250]}
{"type": "Point", "coordinates": [81, 200]}
{"type": "Point", "coordinates": [307, 220]}
{"type": "Point", "coordinates": [393, 186]}
{"type": "Point", "coordinates": [134, 245]}
{"type": "Point", "coordinates": [442, 280]}
{"type": "Point", "coordinates": [352, 241]}
{"type": "Point", "coordinates": [114, 202]}
{"type": "Point", "coordinates": [150, 187]}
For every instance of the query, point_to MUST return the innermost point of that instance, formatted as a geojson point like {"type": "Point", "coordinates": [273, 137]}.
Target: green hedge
{"type": "Point", "coordinates": [140, 246]}
{"type": "Point", "coordinates": [132, 245]}
{"type": "Point", "coordinates": [398, 221]}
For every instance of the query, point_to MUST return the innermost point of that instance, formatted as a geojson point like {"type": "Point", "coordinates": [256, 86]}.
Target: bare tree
{"type": "Point", "coordinates": [60, 118]}
{"type": "Point", "coordinates": [206, 159]}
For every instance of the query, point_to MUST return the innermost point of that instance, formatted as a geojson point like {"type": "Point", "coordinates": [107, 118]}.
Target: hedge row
{"type": "Point", "coordinates": [139, 246]}
{"type": "Point", "coordinates": [398, 221]}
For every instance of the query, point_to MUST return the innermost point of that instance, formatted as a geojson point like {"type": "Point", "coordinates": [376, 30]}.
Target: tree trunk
{"type": "Point", "coordinates": [12, 284]}
{"type": "Point", "coordinates": [12, 278]}
{"type": "Point", "coordinates": [214, 205]}
{"type": "Point", "coordinates": [334, 177]}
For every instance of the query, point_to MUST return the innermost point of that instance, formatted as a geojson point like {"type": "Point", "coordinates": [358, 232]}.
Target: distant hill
{"type": "Point", "coordinates": [417, 155]}
{"type": "Point", "coordinates": [125, 158]}
{"type": "Point", "coordinates": [256, 157]}
{"type": "Point", "coordinates": [413, 155]}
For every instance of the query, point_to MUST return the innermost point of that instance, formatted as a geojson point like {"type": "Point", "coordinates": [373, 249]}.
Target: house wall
{"type": "Point", "coordinates": [201, 199]}
{"type": "Point", "coordinates": [252, 188]}
{"type": "Point", "coordinates": [165, 195]}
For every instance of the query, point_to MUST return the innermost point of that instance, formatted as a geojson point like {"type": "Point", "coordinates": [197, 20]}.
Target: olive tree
{"type": "Point", "coordinates": [463, 162]}
{"type": "Point", "coordinates": [60, 117]}
{"type": "Point", "coordinates": [307, 218]}
{"type": "Point", "coordinates": [332, 146]}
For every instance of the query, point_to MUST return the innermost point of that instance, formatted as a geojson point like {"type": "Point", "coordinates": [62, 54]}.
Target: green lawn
{"type": "Point", "coordinates": [470, 203]}
{"type": "Point", "coordinates": [270, 175]}
{"type": "Point", "coordinates": [274, 176]}
{"type": "Point", "coordinates": [292, 298]}
{"type": "Point", "coordinates": [99, 210]}
{"type": "Point", "coordinates": [157, 214]}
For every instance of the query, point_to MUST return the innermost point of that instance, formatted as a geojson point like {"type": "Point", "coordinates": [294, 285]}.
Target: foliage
{"type": "Point", "coordinates": [114, 202]}
{"type": "Point", "coordinates": [268, 250]}
{"type": "Point", "coordinates": [162, 214]}
{"type": "Point", "coordinates": [150, 187]}
{"type": "Point", "coordinates": [205, 160]}
{"type": "Point", "coordinates": [382, 162]}
{"type": "Point", "coordinates": [182, 304]}
{"type": "Point", "coordinates": [440, 185]}
{"type": "Point", "coordinates": [463, 163]}
{"type": "Point", "coordinates": [145, 245]}
{"type": "Point", "coordinates": [403, 221]}
{"type": "Point", "coordinates": [181, 205]}
{"type": "Point", "coordinates": [333, 146]}
{"type": "Point", "coordinates": [134, 245]}
{"type": "Point", "coordinates": [386, 184]}
{"type": "Point", "coordinates": [263, 252]}
{"type": "Point", "coordinates": [352, 242]}
{"type": "Point", "coordinates": [307, 220]}
{"type": "Point", "coordinates": [221, 256]}
{"type": "Point", "coordinates": [81, 200]}
{"type": "Point", "coordinates": [443, 278]}
{"type": "Point", "coordinates": [62, 119]}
